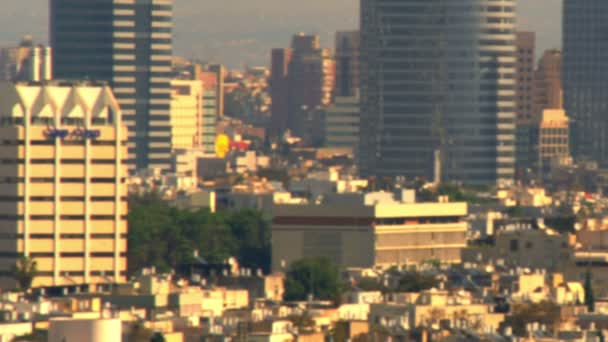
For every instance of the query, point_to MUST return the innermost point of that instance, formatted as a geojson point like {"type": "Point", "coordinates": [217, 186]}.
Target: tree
{"type": "Point", "coordinates": [24, 271]}
{"type": "Point", "coordinates": [139, 333]}
{"type": "Point", "coordinates": [157, 337]}
{"type": "Point", "coordinates": [318, 277]}
{"type": "Point", "coordinates": [304, 322]}
{"type": "Point", "coordinates": [416, 282]}
{"type": "Point", "coordinates": [546, 313]}
{"type": "Point", "coordinates": [252, 230]}
{"type": "Point", "coordinates": [166, 237]}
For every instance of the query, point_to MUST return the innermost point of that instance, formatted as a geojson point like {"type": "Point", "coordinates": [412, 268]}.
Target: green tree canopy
{"type": "Point", "coordinates": [165, 237]}
{"type": "Point", "coordinates": [24, 271]}
{"type": "Point", "coordinates": [313, 276]}
{"type": "Point", "coordinates": [546, 313]}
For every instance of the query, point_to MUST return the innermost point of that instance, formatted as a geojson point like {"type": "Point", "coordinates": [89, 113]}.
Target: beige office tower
{"type": "Point", "coordinates": [554, 141]}
{"type": "Point", "coordinates": [62, 183]}
{"type": "Point", "coordinates": [186, 114]}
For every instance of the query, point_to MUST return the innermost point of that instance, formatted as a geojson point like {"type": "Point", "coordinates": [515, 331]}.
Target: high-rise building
{"type": "Point", "coordinates": [312, 76]}
{"type": "Point", "coordinates": [129, 44]}
{"type": "Point", "coordinates": [554, 142]}
{"type": "Point", "coordinates": [26, 62]}
{"type": "Point", "coordinates": [186, 114]}
{"type": "Point", "coordinates": [548, 92]}
{"type": "Point", "coordinates": [62, 179]}
{"type": "Point", "coordinates": [585, 77]}
{"type": "Point", "coordinates": [302, 82]}
{"type": "Point", "coordinates": [220, 72]}
{"type": "Point", "coordinates": [438, 77]}
{"type": "Point", "coordinates": [526, 45]}
{"type": "Point", "coordinates": [342, 122]}
{"type": "Point", "coordinates": [348, 44]}
{"type": "Point", "coordinates": [527, 123]}
{"type": "Point", "coordinates": [279, 89]}
{"type": "Point", "coordinates": [211, 102]}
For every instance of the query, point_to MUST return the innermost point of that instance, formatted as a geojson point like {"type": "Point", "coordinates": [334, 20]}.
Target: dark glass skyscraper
{"type": "Point", "coordinates": [129, 44]}
{"type": "Point", "coordinates": [438, 79]}
{"type": "Point", "coordinates": [585, 77]}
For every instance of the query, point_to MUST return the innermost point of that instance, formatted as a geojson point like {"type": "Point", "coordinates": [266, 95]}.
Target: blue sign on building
{"type": "Point", "coordinates": [79, 133]}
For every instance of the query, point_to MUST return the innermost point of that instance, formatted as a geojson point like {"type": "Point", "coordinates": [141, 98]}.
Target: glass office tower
{"type": "Point", "coordinates": [585, 77]}
{"type": "Point", "coordinates": [129, 44]}
{"type": "Point", "coordinates": [438, 90]}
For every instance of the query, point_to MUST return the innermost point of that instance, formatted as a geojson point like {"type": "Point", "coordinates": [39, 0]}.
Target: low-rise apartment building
{"type": "Point", "coordinates": [357, 235]}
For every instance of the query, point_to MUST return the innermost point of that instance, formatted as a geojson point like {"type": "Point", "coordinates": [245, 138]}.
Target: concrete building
{"type": "Point", "coordinates": [554, 138]}
{"type": "Point", "coordinates": [585, 77]}
{"type": "Point", "coordinates": [92, 330]}
{"type": "Point", "coordinates": [531, 248]}
{"type": "Point", "coordinates": [348, 44]}
{"type": "Point", "coordinates": [211, 107]}
{"type": "Point", "coordinates": [526, 45]}
{"type": "Point", "coordinates": [220, 74]}
{"type": "Point", "coordinates": [129, 44]}
{"type": "Point", "coordinates": [438, 77]}
{"type": "Point", "coordinates": [279, 89]}
{"type": "Point", "coordinates": [26, 62]}
{"type": "Point", "coordinates": [63, 185]}
{"type": "Point", "coordinates": [527, 126]}
{"type": "Point", "coordinates": [186, 114]}
{"type": "Point", "coordinates": [302, 81]}
{"type": "Point", "coordinates": [342, 121]}
{"type": "Point", "coordinates": [548, 92]}
{"type": "Point", "coordinates": [353, 233]}
{"type": "Point", "coordinates": [311, 80]}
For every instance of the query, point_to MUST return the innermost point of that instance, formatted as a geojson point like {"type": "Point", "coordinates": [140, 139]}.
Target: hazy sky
{"type": "Point", "coordinates": [243, 31]}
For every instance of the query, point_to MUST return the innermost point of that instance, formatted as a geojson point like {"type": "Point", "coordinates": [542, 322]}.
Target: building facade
{"type": "Point", "coordinates": [129, 44]}
{"type": "Point", "coordinates": [526, 60]}
{"type": "Point", "coordinates": [302, 82]}
{"type": "Point", "coordinates": [554, 139]}
{"type": "Point", "coordinates": [342, 121]}
{"type": "Point", "coordinates": [548, 92]}
{"type": "Point", "coordinates": [279, 89]}
{"type": "Point", "coordinates": [26, 62]}
{"type": "Point", "coordinates": [211, 103]}
{"type": "Point", "coordinates": [220, 73]}
{"type": "Point", "coordinates": [527, 122]}
{"type": "Point", "coordinates": [438, 77]}
{"type": "Point", "coordinates": [585, 77]}
{"type": "Point", "coordinates": [186, 114]}
{"type": "Point", "coordinates": [363, 236]}
{"type": "Point", "coordinates": [63, 185]}
{"type": "Point", "coordinates": [348, 44]}
{"type": "Point", "coordinates": [311, 81]}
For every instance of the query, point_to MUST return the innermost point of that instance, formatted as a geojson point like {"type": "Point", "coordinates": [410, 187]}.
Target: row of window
{"type": "Point", "coordinates": [62, 161]}
{"type": "Point", "coordinates": [64, 274]}
{"type": "Point", "coordinates": [62, 236]}
{"type": "Point", "coordinates": [62, 198]}
{"type": "Point", "coordinates": [15, 180]}
{"type": "Point", "coordinates": [61, 217]}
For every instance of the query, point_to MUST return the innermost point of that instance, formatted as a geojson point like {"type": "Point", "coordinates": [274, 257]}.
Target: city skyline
{"type": "Point", "coordinates": [216, 38]}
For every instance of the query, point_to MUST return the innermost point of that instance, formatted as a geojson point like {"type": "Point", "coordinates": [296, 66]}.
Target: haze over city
{"type": "Point", "coordinates": [240, 32]}
{"type": "Point", "coordinates": [303, 171]}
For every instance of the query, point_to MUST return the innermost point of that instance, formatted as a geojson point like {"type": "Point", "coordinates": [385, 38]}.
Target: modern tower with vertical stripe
{"type": "Point", "coordinates": [438, 90]}
{"type": "Point", "coordinates": [127, 43]}
{"type": "Point", "coordinates": [585, 77]}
